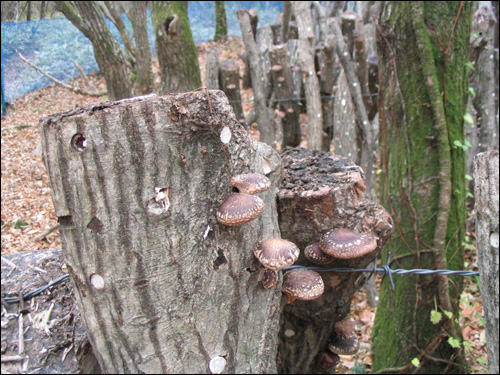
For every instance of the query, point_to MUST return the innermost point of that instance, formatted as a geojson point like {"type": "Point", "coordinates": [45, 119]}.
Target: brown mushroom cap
{"type": "Point", "coordinates": [250, 183]}
{"type": "Point", "coordinates": [270, 279]}
{"type": "Point", "coordinates": [314, 253]}
{"type": "Point", "coordinates": [302, 284]}
{"type": "Point", "coordinates": [344, 340]}
{"type": "Point", "coordinates": [276, 253]}
{"type": "Point", "coordinates": [239, 209]}
{"type": "Point", "coordinates": [327, 361]}
{"type": "Point", "coordinates": [345, 244]}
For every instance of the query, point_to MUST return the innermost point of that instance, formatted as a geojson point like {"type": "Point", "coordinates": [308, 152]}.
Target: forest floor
{"type": "Point", "coordinates": [28, 220]}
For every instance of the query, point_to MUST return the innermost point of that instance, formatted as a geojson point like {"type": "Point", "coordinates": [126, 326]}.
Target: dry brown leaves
{"type": "Point", "coordinates": [27, 209]}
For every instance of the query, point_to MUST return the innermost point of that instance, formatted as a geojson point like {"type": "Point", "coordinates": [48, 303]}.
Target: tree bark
{"type": "Point", "coordinates": [319, 192]}
{"type": "Point", "coordinates": [144, 80]}
{"type": "Point", "coordinates": [162, 287]}
{"type": "Point", "coordinates": [175, 48]}
{"type": "Point", "coordinates": [302, 12]}
{"type": "Point", "coordinates": [422, 101]}
{"type": "Point", "coordinates": [259, 84]}
{"type": "Point", "coordinates": [229, 78]}
{"type": "Point", "coordinates": [486, 207]}
{"type": "Point", "coordinates": [220, 21]}
{"type": "Point", "coordinates": [282, 81]}
{"type": "Point", "coordinates": [212, 69]}
{"type": "Point", "coordinates": [88, 18]}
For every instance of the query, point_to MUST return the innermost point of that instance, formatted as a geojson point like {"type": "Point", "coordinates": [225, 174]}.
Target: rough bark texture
{"type": "Point", "coordinates": [302, 12]}
{"type": "Point", "coordinates": [259, 82]}
{"type": "Point", "coordinates": [175, 48]}
{"type": "Point", "coordinates": [162, 286]}
{"type": "Point", "coordinates": [212, 69]}
{"type": "Point", "coordinates": [220, 21]}
{"type": "Point", "coordinates": [320, 192]}
{"type": "Point", "coordinates": [422, 101]}
{"type": "Point", "coordinates": [486, 207]}
{"type": "Point", "coordinates": [229, 78]}
{"type": "Point", "coordinates": [88, 18]}
{"type": "Point", "coordinates": [144, 81]}
{"type": "Point", "coordinates": [282, 82]}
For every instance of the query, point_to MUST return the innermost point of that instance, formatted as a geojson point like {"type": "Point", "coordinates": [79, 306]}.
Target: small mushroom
{"type": "Point", "coordinates": [302, 284]}
{"type": "Point", "coordinates": [270, 279]}
{"type": "Point", "coordinates": [250, 183]}
{"type": "Point", "coordinates": [239, 209]}
{"type": "Point", "coordinates": [276, 253]}
{"type": "Point", "coordinates": [345, 244]}
{"type": "Point", "coordinates": [344, 340]}
{"type": "Point", "coordinates": [314, 253]}
{"type": "Point", "coordinates": [327, 361]}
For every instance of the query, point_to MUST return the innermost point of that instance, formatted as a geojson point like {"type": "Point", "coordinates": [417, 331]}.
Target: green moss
{"type": "Point", "coordinates": [417, 128]}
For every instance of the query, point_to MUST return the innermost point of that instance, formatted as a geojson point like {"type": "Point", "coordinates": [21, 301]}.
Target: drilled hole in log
{"type": "Point", "coordinates": [66, 222]}
{"type": "Point", "coordinates": [78, 142]}
{"type": "Point", "coordinates": [221, 260]}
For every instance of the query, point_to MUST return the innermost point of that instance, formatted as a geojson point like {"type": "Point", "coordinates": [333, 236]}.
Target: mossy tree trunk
{"type": "Point", "coordinates": [220, 21]}
{"type": "Point", "coordinates": [423, 49]}
{"type": "Point", "coordinates": [88, 17]}
{"type": "Point", "coordinates": [175, 48]}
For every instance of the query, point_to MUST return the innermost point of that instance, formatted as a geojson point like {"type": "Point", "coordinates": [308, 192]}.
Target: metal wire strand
{"type": "Point", "coordinates": [385, 270]}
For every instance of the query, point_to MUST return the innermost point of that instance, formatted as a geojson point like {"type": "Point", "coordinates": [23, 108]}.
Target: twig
{"type": "Point", "coordinates": [84, 76]}
{"type": "Point", "coordinates": [36, 238]}
{"type": "Point", "coordinates": [13, 358]}
{"type": "Point", "coordinates": [60, 83]}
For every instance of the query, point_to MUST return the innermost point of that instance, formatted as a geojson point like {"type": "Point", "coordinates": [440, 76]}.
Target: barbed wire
{"type": "Point", "coordinates": [386, 270]}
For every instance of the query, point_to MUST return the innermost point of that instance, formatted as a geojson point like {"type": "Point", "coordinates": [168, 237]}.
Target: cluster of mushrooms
{"type": "Point", "coordinates": [242, 206]}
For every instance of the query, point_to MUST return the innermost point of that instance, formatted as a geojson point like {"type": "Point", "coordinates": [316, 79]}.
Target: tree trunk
{"type": "Point", "coordinates": [144, 80]}
{"type": "Point", "coordinates": [422, 101]}
{"type": "Point", "coordinates": [220, 21]}
{"type": "Point", "coordinates": [259, 83]}
{"type": "Point", "coordinates": [486, 207]}
{"type": "Point", "coordinates": [175, 48]}
{"type": "Point", "coordinates": [161, 285]}
{"type": "Point", "coordinates": [88, 18]}
{"type": "Point", "coordinates": [320, 192]}
{"type": "Point", "coordinates": [302, 12]}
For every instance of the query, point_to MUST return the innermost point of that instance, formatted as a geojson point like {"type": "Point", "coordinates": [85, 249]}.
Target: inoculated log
{"type": "Point", "coordinates": [320, 192]}
{"type": "Point", "coordinates": [229, 80]}
{"type": "Point", "coordinates": [162, 287]}
{"type": "Point", "coordinates": [212, 69]}
{"type": "Point", "coordinates": [287, 101]}
{"type": "Point", "coordinates": [487, 227]}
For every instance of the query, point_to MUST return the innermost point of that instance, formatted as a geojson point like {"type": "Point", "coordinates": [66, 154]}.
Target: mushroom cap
{"type": "Point", "coordinates": [343, 243]}
{"type": "Point", "coordinates": [314, 253]}
{"type": "Point", "coordinates": [327, 361]}
{"type": "Point", "coordinates": [250, 183]}
{"type": "Point", "coordinates": [302, 284]}
{"type": "Point", "coordinates": [276, 253]}
{"type": "Point", "coordinates": [270, 279]}
{"type": "Point", "coordinates": [239, 209]}
{"type": "Point", "coordinates": [344, 340]}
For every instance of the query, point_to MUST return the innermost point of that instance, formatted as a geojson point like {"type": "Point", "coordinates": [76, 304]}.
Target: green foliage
{"type": "Point", "coordinates": [435, 316]}
{"type": "Point", "coordinates": [454, 343]}
{"type": "Point", "coordinates": [464, 146]}
{"type": "Point", "coordinates": [415, 362]}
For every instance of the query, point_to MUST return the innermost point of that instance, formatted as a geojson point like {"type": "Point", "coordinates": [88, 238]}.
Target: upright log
{"type": "Point", "coordinates": [161, 285]}
{"type": "Point", "coordinates": [229, 80]}
{"type": "Point", "coordinates": [486, 196]}
{"type": "Point", "coordinates": [259, 82]}
{"type": "Point", "coordinates": [320, 192]}
{"type": "Point", "coordinates": [212, 69]}
{"type": "Point", "coordinates": [282, 80]}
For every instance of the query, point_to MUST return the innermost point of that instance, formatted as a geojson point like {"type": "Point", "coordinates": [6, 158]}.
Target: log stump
{"type": "Point", "coordinates": [319, 192]}
{"type": "Point", "coordinates": [162, 287]}
{"type": "Point", "coordinates": [229, 80]}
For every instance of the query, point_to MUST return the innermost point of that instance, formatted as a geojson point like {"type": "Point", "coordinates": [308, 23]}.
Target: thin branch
{"type": "Point", "coordinates": [36, 238]}
{"type": "Point", "coordinates": [60, 83]}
